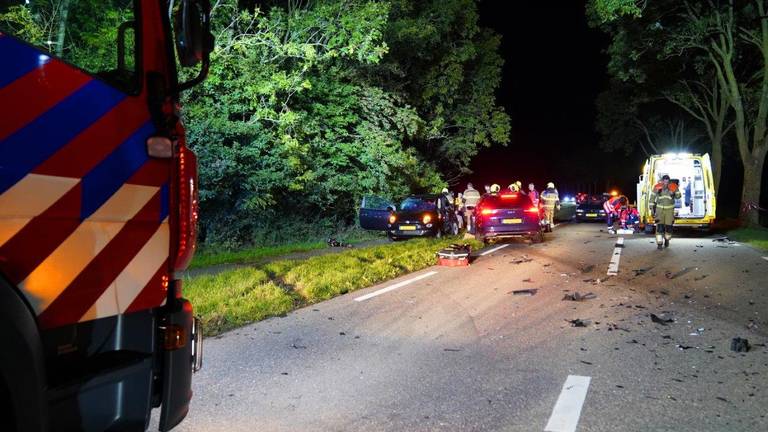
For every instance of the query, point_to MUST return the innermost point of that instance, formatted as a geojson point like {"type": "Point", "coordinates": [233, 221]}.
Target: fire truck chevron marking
{"type": "Point", "coordinates": [25, 59]}
{"type": "Point", "coordinates": [40, 89]}
{"type": "Point", "coordinates": [122, 292]}
{"type": "Point", "coordinates": [29, 198]}
{"type": "Point", "coordinates": [154, 294]}
{"type": "Point", "coordinates": [59, 269]}
{"type": "Point", "coordinates": [37, 141]}
{"type": "Point", "coordinates": [80, 156]}
{"type": "Point", "coordinates": [86, 288]}
{"type": "Point", "coordinates": [41, 236]}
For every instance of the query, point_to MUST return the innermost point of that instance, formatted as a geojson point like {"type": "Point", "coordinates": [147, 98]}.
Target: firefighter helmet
{"type": "Point", "coordinates": [495, 188]}
{"type": "Point", "coordinates": [550, 185]}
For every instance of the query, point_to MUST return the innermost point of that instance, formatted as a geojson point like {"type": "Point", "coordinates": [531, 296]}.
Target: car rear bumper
{"type": "Point", "coordinates": [413, 233]}
{"type": "Point", "coordinates": [501, 231]}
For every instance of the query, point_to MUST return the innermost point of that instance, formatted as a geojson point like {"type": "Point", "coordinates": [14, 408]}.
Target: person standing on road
{"type": "Point", "coordinates": [533, 194]}
{"type": "Point", "coordinates": [487, 189]}
{"type": "Point", "coordinates": [663, 203]}
{"type": "Point", "coordinates": [550, 200]}
{"type": "Point", "coordinates": [471, 199]}
{"type": "Point", "coordinates": [519, 185]}
{"type": "Point", "coordinates": [458, 207]}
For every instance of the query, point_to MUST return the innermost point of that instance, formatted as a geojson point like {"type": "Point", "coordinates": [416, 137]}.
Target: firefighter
{"type": "Point", "coordinates": [613, 207]}
{"type": "Point", "coordinates": [494, 189]}
{"type": "Point", "coordinates": [519, 185]}
{"type": "Point", "coordinates": [514, 188]}
{"type": "Point", "coordinates": [663, 204]}
{"type": "Point", "coordinates": [471, 198]}
{"type": "Point", "coordinates": [550, 200]}
{"type": "Point", "coordinates": [533, 194]}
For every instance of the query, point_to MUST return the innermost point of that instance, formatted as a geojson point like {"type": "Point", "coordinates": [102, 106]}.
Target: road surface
{"type": "Point", "coordinates": [456, 349]}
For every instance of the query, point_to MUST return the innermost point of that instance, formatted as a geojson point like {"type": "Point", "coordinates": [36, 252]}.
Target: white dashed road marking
{"type": "Point", "coordinates": [494, 249]}
{"type": "Point", "coordinates": [565, 415]}
{"type": "Point", "coordinates": [395, 286]}
{"type": "Point", "coordinates": [613, 267]}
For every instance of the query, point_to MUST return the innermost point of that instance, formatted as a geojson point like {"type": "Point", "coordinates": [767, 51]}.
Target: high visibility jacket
{"type": "Point", "coordinates": [550, 198]}
{"type": "Point", "coordinates": [471, 197]}
{"type": "Point", "coordinates": [612, 206]}
{"type": "Point", "coordinates": [664, 197]}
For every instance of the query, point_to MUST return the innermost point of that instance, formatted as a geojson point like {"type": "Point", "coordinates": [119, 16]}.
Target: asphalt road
{"type": "Point", "coordinates": [458, 350]}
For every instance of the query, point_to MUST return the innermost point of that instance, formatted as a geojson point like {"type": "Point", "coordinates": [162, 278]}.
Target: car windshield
{"type": "Point", "coordinates": [417, 204]}
{"type": "Point", "coordinates": [507, 201]}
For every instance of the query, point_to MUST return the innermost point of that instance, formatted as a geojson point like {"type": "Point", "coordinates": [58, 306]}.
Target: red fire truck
{"type": "Point", "coordinates": [98, 212]}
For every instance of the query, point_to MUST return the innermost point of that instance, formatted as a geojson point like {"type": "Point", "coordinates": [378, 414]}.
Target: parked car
{"type": "Point", "coordinates": [508, 215]}
{"type": "Point", "coordinates": [591, 209]}
{"type": "Point", "coordinates": [417, 216]}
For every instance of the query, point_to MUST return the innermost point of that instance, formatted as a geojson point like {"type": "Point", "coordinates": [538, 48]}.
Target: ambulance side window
{"type": "Point", "coordinates": [97, 36]}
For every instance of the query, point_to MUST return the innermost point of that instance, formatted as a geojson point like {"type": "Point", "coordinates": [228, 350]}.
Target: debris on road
{"type": "Point", "coordinates": [683, 347]}
{"type": "Point", "coordinates": [587, 268]}
{"type": "Point", "coordinates": [578, 322]}
{"type": "Point", "coordinates": [613, 326]}
{"type": "Point", "coordinates": [527, 292]}
{"type": "Point", "coordinates": [451, 349]}
{"type": "Point", "coordinates": [578, 296]}
{"type": "Point", "coordinates": [740, 345]}
{"type": "Point", "coordinates": [641, 271]}
{"type": "Point", "coordinates": [682, 272]}
{"type": "Point", "coordinates": [294, 346]}
{"type": "Point", "coordinates": [658, 320]}
{"type": "Point", "coordinates": [586, 362]}
{"type": "Point", "coordinates": [524, 259]}
{"type": "Point", "coordinates": [528, 280]}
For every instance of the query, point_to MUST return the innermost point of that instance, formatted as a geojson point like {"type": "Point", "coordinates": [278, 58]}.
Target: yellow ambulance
{"type": "Point", "coordinates": [693, 174]}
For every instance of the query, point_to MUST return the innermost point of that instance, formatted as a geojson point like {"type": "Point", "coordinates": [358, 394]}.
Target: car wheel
{"type": "Point", "coordinates": [391, 237]}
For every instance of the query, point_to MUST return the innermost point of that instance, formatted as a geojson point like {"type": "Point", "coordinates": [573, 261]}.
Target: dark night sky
{"type": "Point", "coordinates": [554, 68]}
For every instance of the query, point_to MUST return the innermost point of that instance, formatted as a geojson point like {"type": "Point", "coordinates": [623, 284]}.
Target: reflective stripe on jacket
{"type": "Point", "coordinates": [664, 198]}
{"type": "Point", "coordinates": [471, 197]}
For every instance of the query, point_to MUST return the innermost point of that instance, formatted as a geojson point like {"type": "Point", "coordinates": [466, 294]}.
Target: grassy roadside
{"type": "Point", "coordinates": [211, 257]}
{"type": "Point", "coordinates": [236, 297]}
{"type": "Point", "coordinates": [755, 237]}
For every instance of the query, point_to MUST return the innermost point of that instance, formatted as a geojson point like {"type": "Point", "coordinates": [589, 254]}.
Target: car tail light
{"type": "Point", "coordinates": [426, 219]}
{"type": "Point", "coordinates": [392, 219]}
{"type": "Point", "coordinates": [532, 210]}
{"type": "Point", "coordinates": [487, 211]}
{"type": "Point", "coordinates": [188, 208]}
{"type": "Point", "coordinates": [509, 196]}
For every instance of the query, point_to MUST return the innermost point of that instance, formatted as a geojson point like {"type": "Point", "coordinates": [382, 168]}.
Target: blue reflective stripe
{"type": "Point", "coordinates": [18, 60]}
{"type": "Point", "coordinates": [40, 139]}
{"type": "Point", "coordinates": [106, 178]}
{"type": "Point", "coordinates": [164, 197]}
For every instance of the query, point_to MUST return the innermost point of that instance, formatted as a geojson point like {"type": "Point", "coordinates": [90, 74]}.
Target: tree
{"type": "Point", "coordinates": [727, 43]}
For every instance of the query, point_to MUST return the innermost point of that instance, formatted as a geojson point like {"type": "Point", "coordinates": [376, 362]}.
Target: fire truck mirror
{"type": "Point", "coordinates": [193, 37]}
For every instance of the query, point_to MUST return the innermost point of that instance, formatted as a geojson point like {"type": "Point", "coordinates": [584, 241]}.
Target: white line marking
{"type": "Point", "coordinates": [494, 249]}
{"type": "Point", "coordinates": [395, 286]}
{"type": "Point", "coordinates": [565, 415]}
{"type": "Point", "coordinates": [613, 267]}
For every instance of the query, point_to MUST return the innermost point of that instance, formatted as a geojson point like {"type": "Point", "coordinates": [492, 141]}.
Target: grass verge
{"type": "Point", "coordinates": [236, 297]}
{"type": "Point", "coordinates": [755, 237]}
{"type": "Point", "coordinates": [212, 256]}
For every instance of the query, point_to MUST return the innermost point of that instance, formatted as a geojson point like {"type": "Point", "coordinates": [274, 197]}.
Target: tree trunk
{"type": "Point", "coordinates": [750, 193]}
{"type": "Point", "coordinates": [717, 162]}
{"type": "Point", "coordinates": [62, 27]}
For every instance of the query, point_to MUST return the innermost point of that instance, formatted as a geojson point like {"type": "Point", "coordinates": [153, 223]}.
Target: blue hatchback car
{"type": "Point", "coordinates": [508, 215]}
